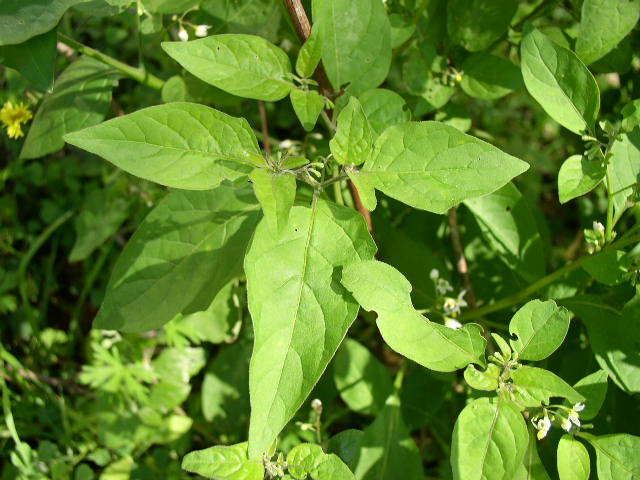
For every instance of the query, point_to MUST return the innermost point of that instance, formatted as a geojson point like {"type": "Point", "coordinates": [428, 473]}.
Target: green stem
{"type": "Point", "coordinates": [608, 236]}
{"type": "Point", "coordinates": [33, 249]}
{"type": "Point", "coordinates": [138, 74]}
{"type": "Point", "coordinates": [528, 291]}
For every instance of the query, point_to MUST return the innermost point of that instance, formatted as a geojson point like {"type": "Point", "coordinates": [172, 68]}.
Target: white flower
{"type": "Point", "coordinates": [183, 34]}
{"type": "Point", "coordinates": [578, 407]}
{"type": "Point", "coordinates": [574, 416]}
{"type": "Point", "coordinates": [202, 30]}
{"type": "Point", "coordinates": [452, 323]}
{"type": "Point", "coordinates": [566, 424]}
{"type": "Point", "coordinates": [286, 144]}
{"type": "Point", "coordinates": [598, 228]}
{"type": "Point", "coordinates": [543, 425]}
{"type": "Point", "coordinates": [316, 405]}
{"type": "Point", "coordinates": [452, 306]}
{"type": "Point", "coordinates": [434, 274]}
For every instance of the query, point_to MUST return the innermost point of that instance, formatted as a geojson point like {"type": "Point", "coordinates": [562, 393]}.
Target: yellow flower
{"type": "Point", "coordinates": [13, 116]}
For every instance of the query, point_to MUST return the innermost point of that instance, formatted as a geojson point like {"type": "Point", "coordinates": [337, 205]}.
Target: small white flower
{"type": "Point", "coordinates": [452, 323]}
{"type": "Point", "coordinates": [316, 405]}
{"type": "Point", "coordinates": [286, 144]}
{"type": "Point", "coordinates": [578, 407]}
{"type": "Point", "coordinates": [183, 34]}
{"type": "Point", "coordinates": [453, 306]}
{"type": "Point", "coordinates": [598, 228]}
{"type": "Point", "coordinates": [566, 424]}
{"type": "Point", "coordinates": [202, 30]}
{"type": "Point", "coordinates": [543, 426]}
{"type": "Point", "coordinates": [434, 274]}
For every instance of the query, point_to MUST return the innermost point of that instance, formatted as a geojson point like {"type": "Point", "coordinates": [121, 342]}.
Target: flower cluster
{"type": "Point", "coordinates": [595, 237]}
{"type": "Point", "coordinates": [567, 422]}
{"type": "Point", "coordinates": [451, 306]}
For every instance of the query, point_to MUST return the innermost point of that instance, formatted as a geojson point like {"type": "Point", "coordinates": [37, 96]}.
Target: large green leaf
{"type": "Point", "coordinates": [490, 439]}
{"type": "Point", "coordinates": [614, 336]}
{"type": "Point", "coordinates": [624, 168]}
{"type": "Point", "coordinates": [476, 24]}
{"type": "Point", "coordinates": [353, 140]}
{"type": "Point", "coordinates": [384, 108]}
{"type": "Point", "coordinates": [356, 42]}
{"type": "Point", "coordinates": [579, 175]}
{"type": "Point", "coordinates": [531, 467]}
{"type": "Point", "coordinates": [559, 82]}
{"type": "Point", "coordinates": [387, 451]}
{"type": "Point", "coordinates": [539, 329]}
{"type": "Point", "coordinates": [188, 248]}
{"type": "Point", "coordinates": [603, 24]}
{"type": "Point", "coordinates": [380, 287]}
{"type": "Point", "coordinates": [507, 221]}
{"type": "Point", "coordinates": [80, 98]}
{"type": "Point", "coordinates": [300, 311]}
{"type": "Point", "coordinates": [593, 388]}
{"type": "Point", "coordinates": [309, 461]}
{"type": "Point", "coordinates": [276, 193]}
{"type": "Point", "coordinates": [572, 459]}
{"type": "Point", "coordinates": [35, 59]}
{"type": "Point", "coordinates": [22, 19]}
{"type": "Point", "coordinates": [181, 145]}
{"type": "Point", "coordinates": [224, 463]}
{"type": "Point", "coordinates": [244, 65]}
{"type": "Point", "coordinates": [489, 77]}
{"type": "Point", "coordinates": [433, 166]}
{"type": "Point", "coordinates": [363, 382]}
{"type": "Point", "coordinates": [257, 17]}
{"type": "Point", "coordinates": [617, 456]}
{"type": "Point", "coordinates": [169, 6]}
{"type": "Point", "coordinates": [535, 386]}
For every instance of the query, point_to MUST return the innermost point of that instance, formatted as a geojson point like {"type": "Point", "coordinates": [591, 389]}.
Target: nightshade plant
{"type": "Point", "coordinates": [479, 337]}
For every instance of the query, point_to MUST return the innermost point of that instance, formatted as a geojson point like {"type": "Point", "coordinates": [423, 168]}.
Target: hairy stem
{"type": "Point", "coordinates": [138, 74]}
{"type": "Point", "coordinates": [538, 285]}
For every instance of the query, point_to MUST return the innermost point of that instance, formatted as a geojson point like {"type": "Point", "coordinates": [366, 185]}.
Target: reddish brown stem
{"type": "Point", "coordinates": [302, 26]}
{"type": "Point", "coordinates": [266, 143]}
{"type": "Point", "coordinates": [461, 260]}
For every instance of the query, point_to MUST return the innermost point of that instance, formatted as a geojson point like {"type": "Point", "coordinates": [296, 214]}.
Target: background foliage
{"type": "Point", "coordinates": [547, 262]}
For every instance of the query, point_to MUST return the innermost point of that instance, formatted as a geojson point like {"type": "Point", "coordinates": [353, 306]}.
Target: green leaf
{"type": "Point", "coordinates": [346, 444]}
{"type": "Point", "coordinates": [490, 440]}
{"type": "Point", "coordinates": [257, 17]}
{"type": "Point", "coordinates": [624, 168]}
{"type": "Point", "coordinates": [603, 24]}
{"type": "Point", "coordinates": [35, 59]}
{"type": "Point", "coordinates": [225, 388]}
{"type": "Point", "coordinates": [482, 380]}
{"type": "Point", "coordinates": [402, 29]}
{"type": "Point", "coordinates": [188, 248]}
{"type": "Point", "coordinates": [489, 77]}
{"type": "Point", "coordinates": [540, 328]}
{"type": "Point", "coordinates": [387, 451]}
{"type": "Point", "coordinates": [384, 108]}
{"type": "Point", "coordinates": [308, 104]}
{"type": "Point", "coordinates": [224, 463]}
{"type": "Point", "coordinates": [309, 55]}
{"type": "Point", "coordinates": [309, 461]}
{"type": "Point", "coordinates": [534, 387]}
{"type": "Point", "coordinates": [617, 456]}
{"type": "Point", "coordinates": [80, 98]}
{"type": "Point", "coordinates": [476, 24]}
{"type": "Point", "coordinates": [432, 166]}
{"type": "Point", "coordinates": [507, 221]}
{"type": "Point", "coordinates": [572, 459]}
{"type": "Point", "coordinates": [614, 336]}
{"type": "Point", "coordinates": [631, 115]}
{"type": "Point", "coordinates": [169, 6]}
{"type": "Point", "coordinates": [593, 388]}
{"type": "Point", "coordinates": [380, 287]}
{"type": "Point", "coordinates": [22, 19]}
{"type": "Point", "coordinates": [610, 267]}
{"type": "Point", "coordinates": [579, 175]}
{"type": "Point", "coordinates": [300, 311]}
{"type": "Point", "coordinates": [244, 65]}
{"type": "Point", "coordinates": [181, 145]}
{"type": "Point", "coordinates": [531, 467]}
{"type": "Point", "coordinates": [213, 325]}
{"type": "Point", "coordinates": [100, 217]}
{"type": "Point", "coordinates": [276, 193]}
{"type": "Point", "coordinates": [356, 42]}
{"type": "Point", "coordinates": [174, 367]}
{"type": "Point", "coordinates": [353, 140]}
{"type": "Point", "coordinates": [559, 82]}
{"type": "Point", "coordinates": [363, 382]}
